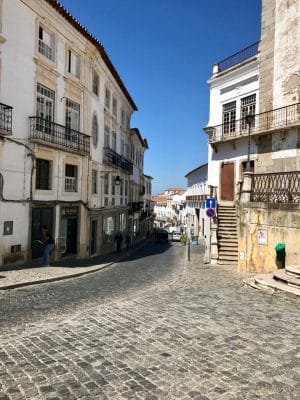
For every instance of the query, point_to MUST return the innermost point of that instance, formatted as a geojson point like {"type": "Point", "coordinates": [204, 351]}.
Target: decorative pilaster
{"type": "Point", "coordinates": [246, 187]}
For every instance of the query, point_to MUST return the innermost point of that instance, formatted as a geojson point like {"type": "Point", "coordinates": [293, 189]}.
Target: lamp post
{"type": "Point", "coordinates": [249, 118]}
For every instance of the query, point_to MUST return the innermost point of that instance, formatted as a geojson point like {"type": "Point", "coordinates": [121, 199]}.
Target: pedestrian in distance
{"type": "Point", "coordinates": [128, 241]}
{"type": "Point", "coordinates": [118, 240]}
{"type": "Point", "coordinates": [48, 241]}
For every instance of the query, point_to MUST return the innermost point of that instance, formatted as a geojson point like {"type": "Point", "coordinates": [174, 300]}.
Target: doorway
{"type": "Point", "coordinates": [93, 244]}
{"type": "Point", "coordinates": [71, 242]}
{"type": "Point", "coordinates": [40, 216]}
{"type": "Point", "coordinates": [227, 181]}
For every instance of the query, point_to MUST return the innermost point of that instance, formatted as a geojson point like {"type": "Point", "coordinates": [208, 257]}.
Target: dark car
{"type": "Point", "coordinates": [161, 236]}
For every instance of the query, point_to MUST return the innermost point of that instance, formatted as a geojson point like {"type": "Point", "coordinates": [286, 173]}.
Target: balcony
{"type": "Point", "coordinates": [264, 123]}
{"type": "Point", "coordinates": [238, 57]}
{"type": "Point", "coordinates": [279, 187]}
{"type": "Point", "coordinates": [44, 131]}
{"type": "Point", "coordinates": [111, 157]}
{"type": "Point", "coordinates": [5, 119]}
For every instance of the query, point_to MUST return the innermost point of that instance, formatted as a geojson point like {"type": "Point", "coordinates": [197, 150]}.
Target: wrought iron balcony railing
{"type": "Point", "coordinates": [238, 57]}
{"type": "Point", "coordinates": [283, 187]}
{"type": "Point", "coordinates": [112, 157]}
{"type": "Point", "coordinates": [59, 135]}
{"type": "Point", "coordinates": [284, 117]}
{"type": "Point", "coordinates": [5, 119]}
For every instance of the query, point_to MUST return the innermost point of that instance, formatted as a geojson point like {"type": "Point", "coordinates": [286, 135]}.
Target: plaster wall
{"type": "Point", "coordinates": [261, 223]}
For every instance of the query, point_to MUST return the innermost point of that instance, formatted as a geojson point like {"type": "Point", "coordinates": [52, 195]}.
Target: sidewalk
{"type": "Point", "coordinates": [18, 276]}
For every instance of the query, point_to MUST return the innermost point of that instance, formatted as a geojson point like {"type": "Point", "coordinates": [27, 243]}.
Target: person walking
{"type": "Point", "coordinates": [49, 245]}
{"type": "Point", "coordinates": [118, 240]}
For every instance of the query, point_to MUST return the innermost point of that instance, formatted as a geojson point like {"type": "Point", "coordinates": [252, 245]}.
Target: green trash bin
{"type": "Point", "coordinates": [280, 255]}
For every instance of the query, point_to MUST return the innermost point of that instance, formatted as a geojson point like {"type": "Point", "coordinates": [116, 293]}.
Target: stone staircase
{"type": "Point", "coordinates": [227, 235]}
{"type": "Point", "coordinates": [286, 280]}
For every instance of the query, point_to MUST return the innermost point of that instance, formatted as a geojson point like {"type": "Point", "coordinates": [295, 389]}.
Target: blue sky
{"type": "Point", "coordinates": [164, 51]}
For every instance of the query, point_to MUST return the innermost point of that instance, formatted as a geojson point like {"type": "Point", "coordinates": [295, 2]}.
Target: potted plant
{"type": "Point", "coordinates": [183, 240]}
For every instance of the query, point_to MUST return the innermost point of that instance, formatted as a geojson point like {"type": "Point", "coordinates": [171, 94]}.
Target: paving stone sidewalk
{"type": "Point", "coordinates": [18, 276]}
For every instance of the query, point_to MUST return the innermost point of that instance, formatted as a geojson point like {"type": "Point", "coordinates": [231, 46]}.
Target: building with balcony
{"type": "Point", "coordinates": [253, 132]}
{"type": "Point", "coordinates": [65, 138]}
{"type": "Point", "coordinates": [197, 223]}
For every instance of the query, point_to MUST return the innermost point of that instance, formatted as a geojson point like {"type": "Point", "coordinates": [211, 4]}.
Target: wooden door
{"type": "Point", "coordinates": [227, 182]}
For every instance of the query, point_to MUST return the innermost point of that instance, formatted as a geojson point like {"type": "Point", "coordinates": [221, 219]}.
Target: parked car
{"type": "Point", "coordinates": [161, 236]}
{"type": "Point", "coordinates": [176, 236]}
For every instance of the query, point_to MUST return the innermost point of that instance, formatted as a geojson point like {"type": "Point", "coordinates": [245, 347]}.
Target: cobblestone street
{"type": "Point", "coordinates": [153, 327]}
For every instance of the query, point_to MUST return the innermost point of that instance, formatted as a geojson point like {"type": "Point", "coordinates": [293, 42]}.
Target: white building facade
{"type": "Point", "coordinates": [197, 223]}
{"type": "Point", "coordinates": [65, 139]}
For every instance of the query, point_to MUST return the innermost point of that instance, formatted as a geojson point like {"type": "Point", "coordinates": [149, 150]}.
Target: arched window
{"type": "Point", "coordinates": [95, 131]}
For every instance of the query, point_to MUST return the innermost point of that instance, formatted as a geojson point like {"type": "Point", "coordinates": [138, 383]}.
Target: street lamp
{"type": "Point", "coordinates": [249, 119]}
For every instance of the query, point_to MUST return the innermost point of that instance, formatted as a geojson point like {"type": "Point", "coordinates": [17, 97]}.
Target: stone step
{"type": "Point", "coordinates": [232, 236]}
{"type": "Point", "coordinates": [268, 281]}
{"type": "Point", "coordinates": [229, 245]}
{"type": "Point", "coordinates": [230, 251]}
{"type": "Point", "coordinates": [294, 270]}
{"type": "Point", "coordinates": [227, 216]}
{"type": "Point", "coordinates": [289, 279]}
{"type": "Point", "coordinates": [228, 257]}
{"type": "Point", "coordinates": [227, 262]}
{"type": "Point", "coordinates": [229, 229]}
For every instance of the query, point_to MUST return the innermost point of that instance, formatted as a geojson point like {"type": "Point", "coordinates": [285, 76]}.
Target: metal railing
{"type": "Point", "coordinates": [263, 122]}
{"type": "Point", "coordinates": [5, 118]}
{"type": "Point", "coordinates": [238, 57]}
{"type": "Point", "coordinates": [50, 132]}
{"type": "Point", "coordinates": [112, 157]}
{"type": "Point", "coordinates": [283, 187]}
{"type": "Point", "coordinates": [70, 184]}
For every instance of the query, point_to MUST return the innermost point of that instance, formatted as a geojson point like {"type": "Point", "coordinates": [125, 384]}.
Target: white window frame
{"type": "Point", "coordinates": [73, 63]}
{"type": "Point", "coordinates": [95, 82]}
{"type": "Point", "coordinates": [94, 181]}
{"type": "Point", "coordinates": [95, 130]}
{"type": "Point", "coordinates": [46, 43]}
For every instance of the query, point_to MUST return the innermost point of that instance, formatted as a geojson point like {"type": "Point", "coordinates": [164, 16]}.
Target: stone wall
{"type": "Point", "coordinates": [261, 227]}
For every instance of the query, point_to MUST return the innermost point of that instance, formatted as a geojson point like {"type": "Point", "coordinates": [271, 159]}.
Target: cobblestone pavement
{"type": "Point", "coordinates": [154, 327]}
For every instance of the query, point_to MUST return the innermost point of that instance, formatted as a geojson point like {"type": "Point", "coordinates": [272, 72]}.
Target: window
{"type": "Point", "coordinates": [122, 117]}
{"type": "Point", "coordinates": [229, 113]}
{"type": "Point", "coordinates": [247, 107]}
{"type": "Point", "coordinates": [71, 178]}
{"type": "Point", "coordinates": [108, 230]}
{"type": "Point", "coordinates": [106, 136]}
{"type": "Point", "coordinates": [46, 43]}
{"type": "Point", "coordinates": [126, 188]}
{"type": "Point", "coordinates": [72, 115]}
{"type": "Point", "coordinates": [121, 187]}
{"type": "Point", "coordinates": [95, 83]}
{"type": "Point", "coordinates": [114, 141]}
{"type": "Point", "coordinates": [94, 181]}
{"type": "Point", "coordinates": [127, 151]}
{"type": "Point", "coordinates": [73, 64]}
{"type": "Point", "coordinates": [95, 131]}
{"type": "Point", "coordinates": [43, 176]}
{"type": "Point", "coordinates": [114, 106]}
{"type": "Point", "coordinates": [107, 98]}
{"type": "Point", "coordinates": [113, 185]}
{"type": "Point", "coordinates": [122, 147]}
{"type": "Point", "coordinates": [45, 107]}
{"type": "Point", "coordinates": [106, 183]}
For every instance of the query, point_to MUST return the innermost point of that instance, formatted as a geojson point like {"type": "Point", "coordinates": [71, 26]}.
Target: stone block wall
{"type": "Point", "coordinates": [261, 227]}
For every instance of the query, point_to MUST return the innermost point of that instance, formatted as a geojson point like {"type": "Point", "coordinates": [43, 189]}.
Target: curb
{"type": "Point", "coordinates": [64, 277]}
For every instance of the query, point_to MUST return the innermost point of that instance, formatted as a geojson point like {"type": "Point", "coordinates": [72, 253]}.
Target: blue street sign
{"type": "Point", "coordinates": [210, 203]}
{"type": "Point", "coordinates": [211, 212]}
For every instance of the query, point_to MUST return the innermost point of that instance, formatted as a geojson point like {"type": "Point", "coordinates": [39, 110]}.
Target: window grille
{"type": "Point", "coordinates": [46, 43]}
{"type": "Point", "coordinates": [43, 174]}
